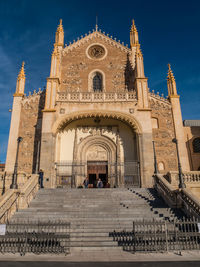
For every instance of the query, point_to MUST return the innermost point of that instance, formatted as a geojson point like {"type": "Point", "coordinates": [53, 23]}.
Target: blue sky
{"type": "Point", "coordinates": [169, 32]}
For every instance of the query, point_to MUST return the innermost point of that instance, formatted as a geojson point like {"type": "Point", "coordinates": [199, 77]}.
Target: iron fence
{"type": "Point", "coordinates": [160, 236]}
{"type": "Point", "coordinates": [36, 237]}
{"type": "Point", "coordinates": [125, 173]}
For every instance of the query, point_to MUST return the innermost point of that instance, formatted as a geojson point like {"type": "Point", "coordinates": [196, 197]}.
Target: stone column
{"type": "Point", "coordinates": [15, 121]}
{"type": "Point", "coordinates": [118, 167]}
{"type": "Point", "coordinates": [73, 179]}
{"type": "Point", "coordinates": [146, 159]}
{"type": "Point", "coordinates": [47, 157]}
{"type": "Point", "coordinates": [13, 135]}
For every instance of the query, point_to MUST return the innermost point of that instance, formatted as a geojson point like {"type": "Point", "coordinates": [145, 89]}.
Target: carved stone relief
{"type": "Point", "coordinates": [96, 51]}
{"type": "Point", "coordinates": [97, 153]}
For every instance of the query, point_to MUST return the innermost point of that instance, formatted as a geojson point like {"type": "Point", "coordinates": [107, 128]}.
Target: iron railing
{"type": "Point", "coordinates": [36, 237]}
{"type": "Point", "coordinates": [127, 173]}
{"type": "Point", "coordinates": [160, 236]}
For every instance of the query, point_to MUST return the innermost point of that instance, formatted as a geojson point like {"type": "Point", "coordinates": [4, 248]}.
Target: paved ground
{"type": "Point", "coordinates": [106, 256]}
{"type": "Point", "coordinates": [100, 264]}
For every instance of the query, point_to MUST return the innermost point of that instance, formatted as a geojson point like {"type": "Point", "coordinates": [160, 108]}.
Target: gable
{"type": "Point", "coordinates": [79, 61]}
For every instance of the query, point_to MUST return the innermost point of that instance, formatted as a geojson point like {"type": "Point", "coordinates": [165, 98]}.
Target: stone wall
{"type": "Point", "coordinates": [30, 130]}
{"type": "Point", "coordinates": [163, 133]}
{"type": "Point", "coordinates": [77, 65]}
{"type": "Point", "coordinates": [194, 157]}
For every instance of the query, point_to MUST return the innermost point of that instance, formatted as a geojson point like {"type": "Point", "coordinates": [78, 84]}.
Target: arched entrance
{"type": "Point", "coordinates": [98, 152]}
{"type": "Point", "coordinates": [106, 148]}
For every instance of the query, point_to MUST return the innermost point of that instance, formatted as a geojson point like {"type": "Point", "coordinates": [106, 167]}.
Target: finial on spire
{"type": "Point", "coordinates": [20, 82]}
{"type": "Point", "coordinates": [59, 40]}
{"type": "Point", "coordinates": [134, 39]}
{"type": "Point", "coordinates": [171, 83]}
{"type": "Point", "coordinates": [22, 72]}
{"type": "Point", "coordinates": [170, 75]}
{"type": "Point", "coordinates": [96, 26]}
{"type": "Point", "coordinates": [60, 26]}
{"type": "Point", "coordinates": [133, 27]}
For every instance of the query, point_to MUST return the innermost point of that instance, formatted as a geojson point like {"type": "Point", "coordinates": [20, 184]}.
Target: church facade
{"type": "Point", "coordinates": [97, 118]}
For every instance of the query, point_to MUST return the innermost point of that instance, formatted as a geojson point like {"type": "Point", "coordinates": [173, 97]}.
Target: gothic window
{"type": "Point", "coordinates": [196, 145]}
{"type": "Point", "coordinates": [154, 122]}
{"type": "Point", "coordinates": [161, 166]}
{"type": "Point", "coordinates": [97, 82]}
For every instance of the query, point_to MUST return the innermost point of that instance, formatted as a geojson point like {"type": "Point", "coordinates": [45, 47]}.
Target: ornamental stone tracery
{"type": "Point", "coordinates": [96, 51]}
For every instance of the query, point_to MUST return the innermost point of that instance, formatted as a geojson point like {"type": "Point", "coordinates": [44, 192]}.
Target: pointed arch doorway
{"type": "Point", "coordinates": [98, 152]}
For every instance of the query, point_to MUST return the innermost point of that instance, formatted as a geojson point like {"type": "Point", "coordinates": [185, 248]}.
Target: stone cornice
{"type": "Point", "coordinates": [144, 109]}
{"type": "Point", "coordinates": [174, 96]}
{"type": "Point", "coordinates": [49, 110]}
{"type": "Point", "coordinates": [53, 79]}
{"type": "Point", "coordinates": [18, 94]}
{"type": "Point", "coordinates": [141, 78]}
{"type": "Point", "coordinates": [93, 35]}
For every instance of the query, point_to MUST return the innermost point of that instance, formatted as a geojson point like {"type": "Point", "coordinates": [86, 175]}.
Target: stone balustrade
{"type": "Point", "coordinates": [190, 203]}
{"type": "Point", "coordinates": [15, 199]}
{"type": "Point", "coordinates": [8, 204]}
{"type": "Point", "coordinates": [179, 198]}
{"type": "Point", "coordinates": [166, 190]}
{"type": "Point", "coordinates": [189, 177]}
{"type": "Point", "coordinates": [96, 97]}
{"type": "Point", "coordinates": [28, 191]}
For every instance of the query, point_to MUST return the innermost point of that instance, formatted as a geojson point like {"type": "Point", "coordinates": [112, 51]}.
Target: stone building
{"type": "Point", "coordinates": [97, 117]}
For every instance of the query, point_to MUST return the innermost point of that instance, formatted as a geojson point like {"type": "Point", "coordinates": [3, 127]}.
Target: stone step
{"type": "Point", "coordinates": [90, 238]}
{"type": "Point", "coordinates": [68, 219]}
{"type": "Point", "coordinates": [101, 250]}
{"type": "Point", "coordinates": [94, 213]}
{"type": "Point", "coordinates": [93, 244]}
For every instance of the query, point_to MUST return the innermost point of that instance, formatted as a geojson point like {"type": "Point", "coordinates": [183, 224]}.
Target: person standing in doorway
{"type": "Point", "coordinates": [86, 182]}
{"type": "Point", "coordinates": [99, 184]}
{"type": "Point", "coordinates": [41, 177]}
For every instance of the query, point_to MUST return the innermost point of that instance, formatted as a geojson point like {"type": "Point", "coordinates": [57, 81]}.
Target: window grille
{"type": "Point", "coordinates": [196, 145]}
{"type": "Point", "coordinates": [97, 82]}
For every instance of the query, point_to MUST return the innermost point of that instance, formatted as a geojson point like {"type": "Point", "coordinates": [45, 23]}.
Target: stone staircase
{"type": "Point", "coordinates": [93, 213]}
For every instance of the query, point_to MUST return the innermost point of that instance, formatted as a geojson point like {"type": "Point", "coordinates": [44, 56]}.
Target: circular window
{"type": "Point", "coordinates": [96, 51]}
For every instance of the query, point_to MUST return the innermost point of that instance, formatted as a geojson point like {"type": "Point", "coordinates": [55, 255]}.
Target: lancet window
{"type": "Point", "coordinates": [97, 82]}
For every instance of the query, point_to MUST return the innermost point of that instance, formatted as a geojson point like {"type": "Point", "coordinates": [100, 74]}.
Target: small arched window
{"type": "Point", "coordinates": [161, 166]}
{"type": "Point", "coordinates": [196, 145]}
{"type": "Point", "coordinates": [97, 82]}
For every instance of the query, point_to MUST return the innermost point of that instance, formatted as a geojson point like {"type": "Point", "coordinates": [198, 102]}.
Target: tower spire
{"type": "Point", "coordinates": [171, 83]}
{"type": "Point", "coordinates": [22, 72]}
{"type": "Point", "coordinates": [59, 41]}
{"type": "Point", "coordinates": [134, 39]}
{"type": "Point", "coordinates": [20, 82]}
